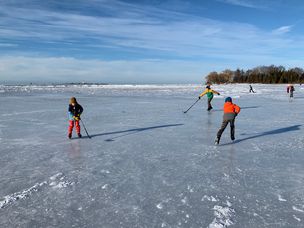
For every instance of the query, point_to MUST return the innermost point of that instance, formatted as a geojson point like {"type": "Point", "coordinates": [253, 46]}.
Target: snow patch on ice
{"type": "Point", "coordinates": [161, 204]}
{"type": "Point", "coordinates": [280, 198]}
{"type": "Point", "coordinates": [256, 147]}
{"type": "Point", "coordinates": [297, 209]}
{"type": "Point", "coordinates": [222, 217]}
{"type": "Point", "coordinates": [209, 198]}
{"type": "Point", "coordinates": [9, 199]}
{"type": "Point", "coordinates": [184, 200]}
{"type": "Point", "coordinates": [59, 181]}
{"type": "Point", "coordinates": [105, 171]}
{"type": "Point", "coordinates": [190, 189]}
{"type": "Point", "coordinates": [296, 218]}
{"type": "Point", "coordinates": [104, 186]}
{"type": "Point", "coordinates": [54, 177]}
{"type": "Point", "coordinates": [228, 203]}
{"type": "Point", "coordinates": [55, 181]}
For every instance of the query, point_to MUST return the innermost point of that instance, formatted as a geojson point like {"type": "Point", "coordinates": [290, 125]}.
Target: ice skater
{"type": "Point", "coordinates": [209, 93]}
{"type": "Point", "coordinates": [251, 89]}
{"type": "Point", "coordinates": [290, 90]}
{"type": "Point", "coordinates": [230, 112]}
{"type": "Point", "coordinates": [75, 111]}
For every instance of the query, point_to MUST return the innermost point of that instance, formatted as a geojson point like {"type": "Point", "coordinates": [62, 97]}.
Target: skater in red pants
{"type": "Point", "coordinates": [75, 111]}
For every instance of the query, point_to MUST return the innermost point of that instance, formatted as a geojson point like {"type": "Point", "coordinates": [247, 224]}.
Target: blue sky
{"type": "Point", "coordinates": [155, 41]}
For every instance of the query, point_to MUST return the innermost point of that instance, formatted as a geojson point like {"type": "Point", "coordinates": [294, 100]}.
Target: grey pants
{"type": "Point", "coordinates": [223, 127]}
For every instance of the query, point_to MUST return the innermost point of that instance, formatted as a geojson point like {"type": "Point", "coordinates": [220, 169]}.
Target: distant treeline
{"type": "Point", "coordinates": [263, 74]}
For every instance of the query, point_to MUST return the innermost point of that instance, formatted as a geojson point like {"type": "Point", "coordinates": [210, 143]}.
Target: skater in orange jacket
{"type": "Point", "coordinates": [230, 112]}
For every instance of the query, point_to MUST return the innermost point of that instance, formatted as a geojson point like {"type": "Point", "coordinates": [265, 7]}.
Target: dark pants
{"type": "Point", "coordinates": [223, 127]}
{"type": "Point", "coordinates": [291, 93]}
{"type": "Point", "coordinates": [209, 103]}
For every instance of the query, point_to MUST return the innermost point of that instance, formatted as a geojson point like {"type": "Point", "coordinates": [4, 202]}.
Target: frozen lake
{"type": "Point", "coordinates": [148, 164]}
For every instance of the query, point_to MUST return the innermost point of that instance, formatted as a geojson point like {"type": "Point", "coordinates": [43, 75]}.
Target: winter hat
{"type": "Point", "coordinates": [73, 100]}
{"type": "Point", "coordinates": [228, 99]}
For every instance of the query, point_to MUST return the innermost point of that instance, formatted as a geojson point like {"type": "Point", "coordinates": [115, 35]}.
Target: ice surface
{"type": "Point", "coordinates": [148, 164]}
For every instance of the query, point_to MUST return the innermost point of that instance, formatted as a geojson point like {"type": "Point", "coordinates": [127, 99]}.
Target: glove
{"type": "Point", "coordinates": [76, 118]}
{"type": "Point", "coordinates": [199, 97]}
{"type": "Point", "coordinates": [219, 94]}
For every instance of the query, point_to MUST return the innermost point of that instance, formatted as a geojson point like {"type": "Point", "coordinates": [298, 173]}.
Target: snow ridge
{"type": "Point", "coordinates": [20, 195]}
{"type": "Point", "coordinates": [56, 181]}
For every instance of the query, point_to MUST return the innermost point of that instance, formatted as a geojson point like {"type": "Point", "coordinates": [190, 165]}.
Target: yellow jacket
{"type": "Point", "coordinates": [209, 93]}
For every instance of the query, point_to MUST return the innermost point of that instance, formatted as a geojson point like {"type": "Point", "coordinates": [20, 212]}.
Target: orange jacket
{"type": "Point", "coordinates": [229, 107]}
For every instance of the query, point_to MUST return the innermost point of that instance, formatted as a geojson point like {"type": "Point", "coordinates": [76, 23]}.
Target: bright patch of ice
{"type": "Point", "coordinates": [222, 217]}
{"type": "Point", "coordinates": [24, 113]}
{"type": "Point", "coordinates": [35, 141]}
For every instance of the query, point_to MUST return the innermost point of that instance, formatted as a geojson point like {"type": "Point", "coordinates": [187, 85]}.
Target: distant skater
{"type": "Point", "coordinates": [251, 89]}
{"type": "Point", "coordinates": [230, 112]}
{"type": "Point", "coordinates": [75, 111]}
{"type": "Point", "coordinates": [290, 90]}
{"type": "Point", "coordinates": [209, 93]}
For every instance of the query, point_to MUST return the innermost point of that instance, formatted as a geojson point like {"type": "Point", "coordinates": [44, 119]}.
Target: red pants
{"type": "Point", "coordinates": [71, 126]}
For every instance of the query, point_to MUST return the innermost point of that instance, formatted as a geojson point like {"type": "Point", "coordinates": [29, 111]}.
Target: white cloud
{"type": "Point", "coordinates": [173, 33]}
{"type": "Point", "coordinates": [7, 45]}
{"type": "Point", "coordinates": [245, 3]}
{"type": "Point", "coordinates": [283, 29]}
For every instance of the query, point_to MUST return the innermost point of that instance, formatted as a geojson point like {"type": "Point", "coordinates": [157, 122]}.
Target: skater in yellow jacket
{"type": "Point", "coordinates": [209, 92]}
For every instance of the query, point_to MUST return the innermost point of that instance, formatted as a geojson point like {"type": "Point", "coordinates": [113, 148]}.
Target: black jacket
{"type": "Point", "coordinates": [75, 110]}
